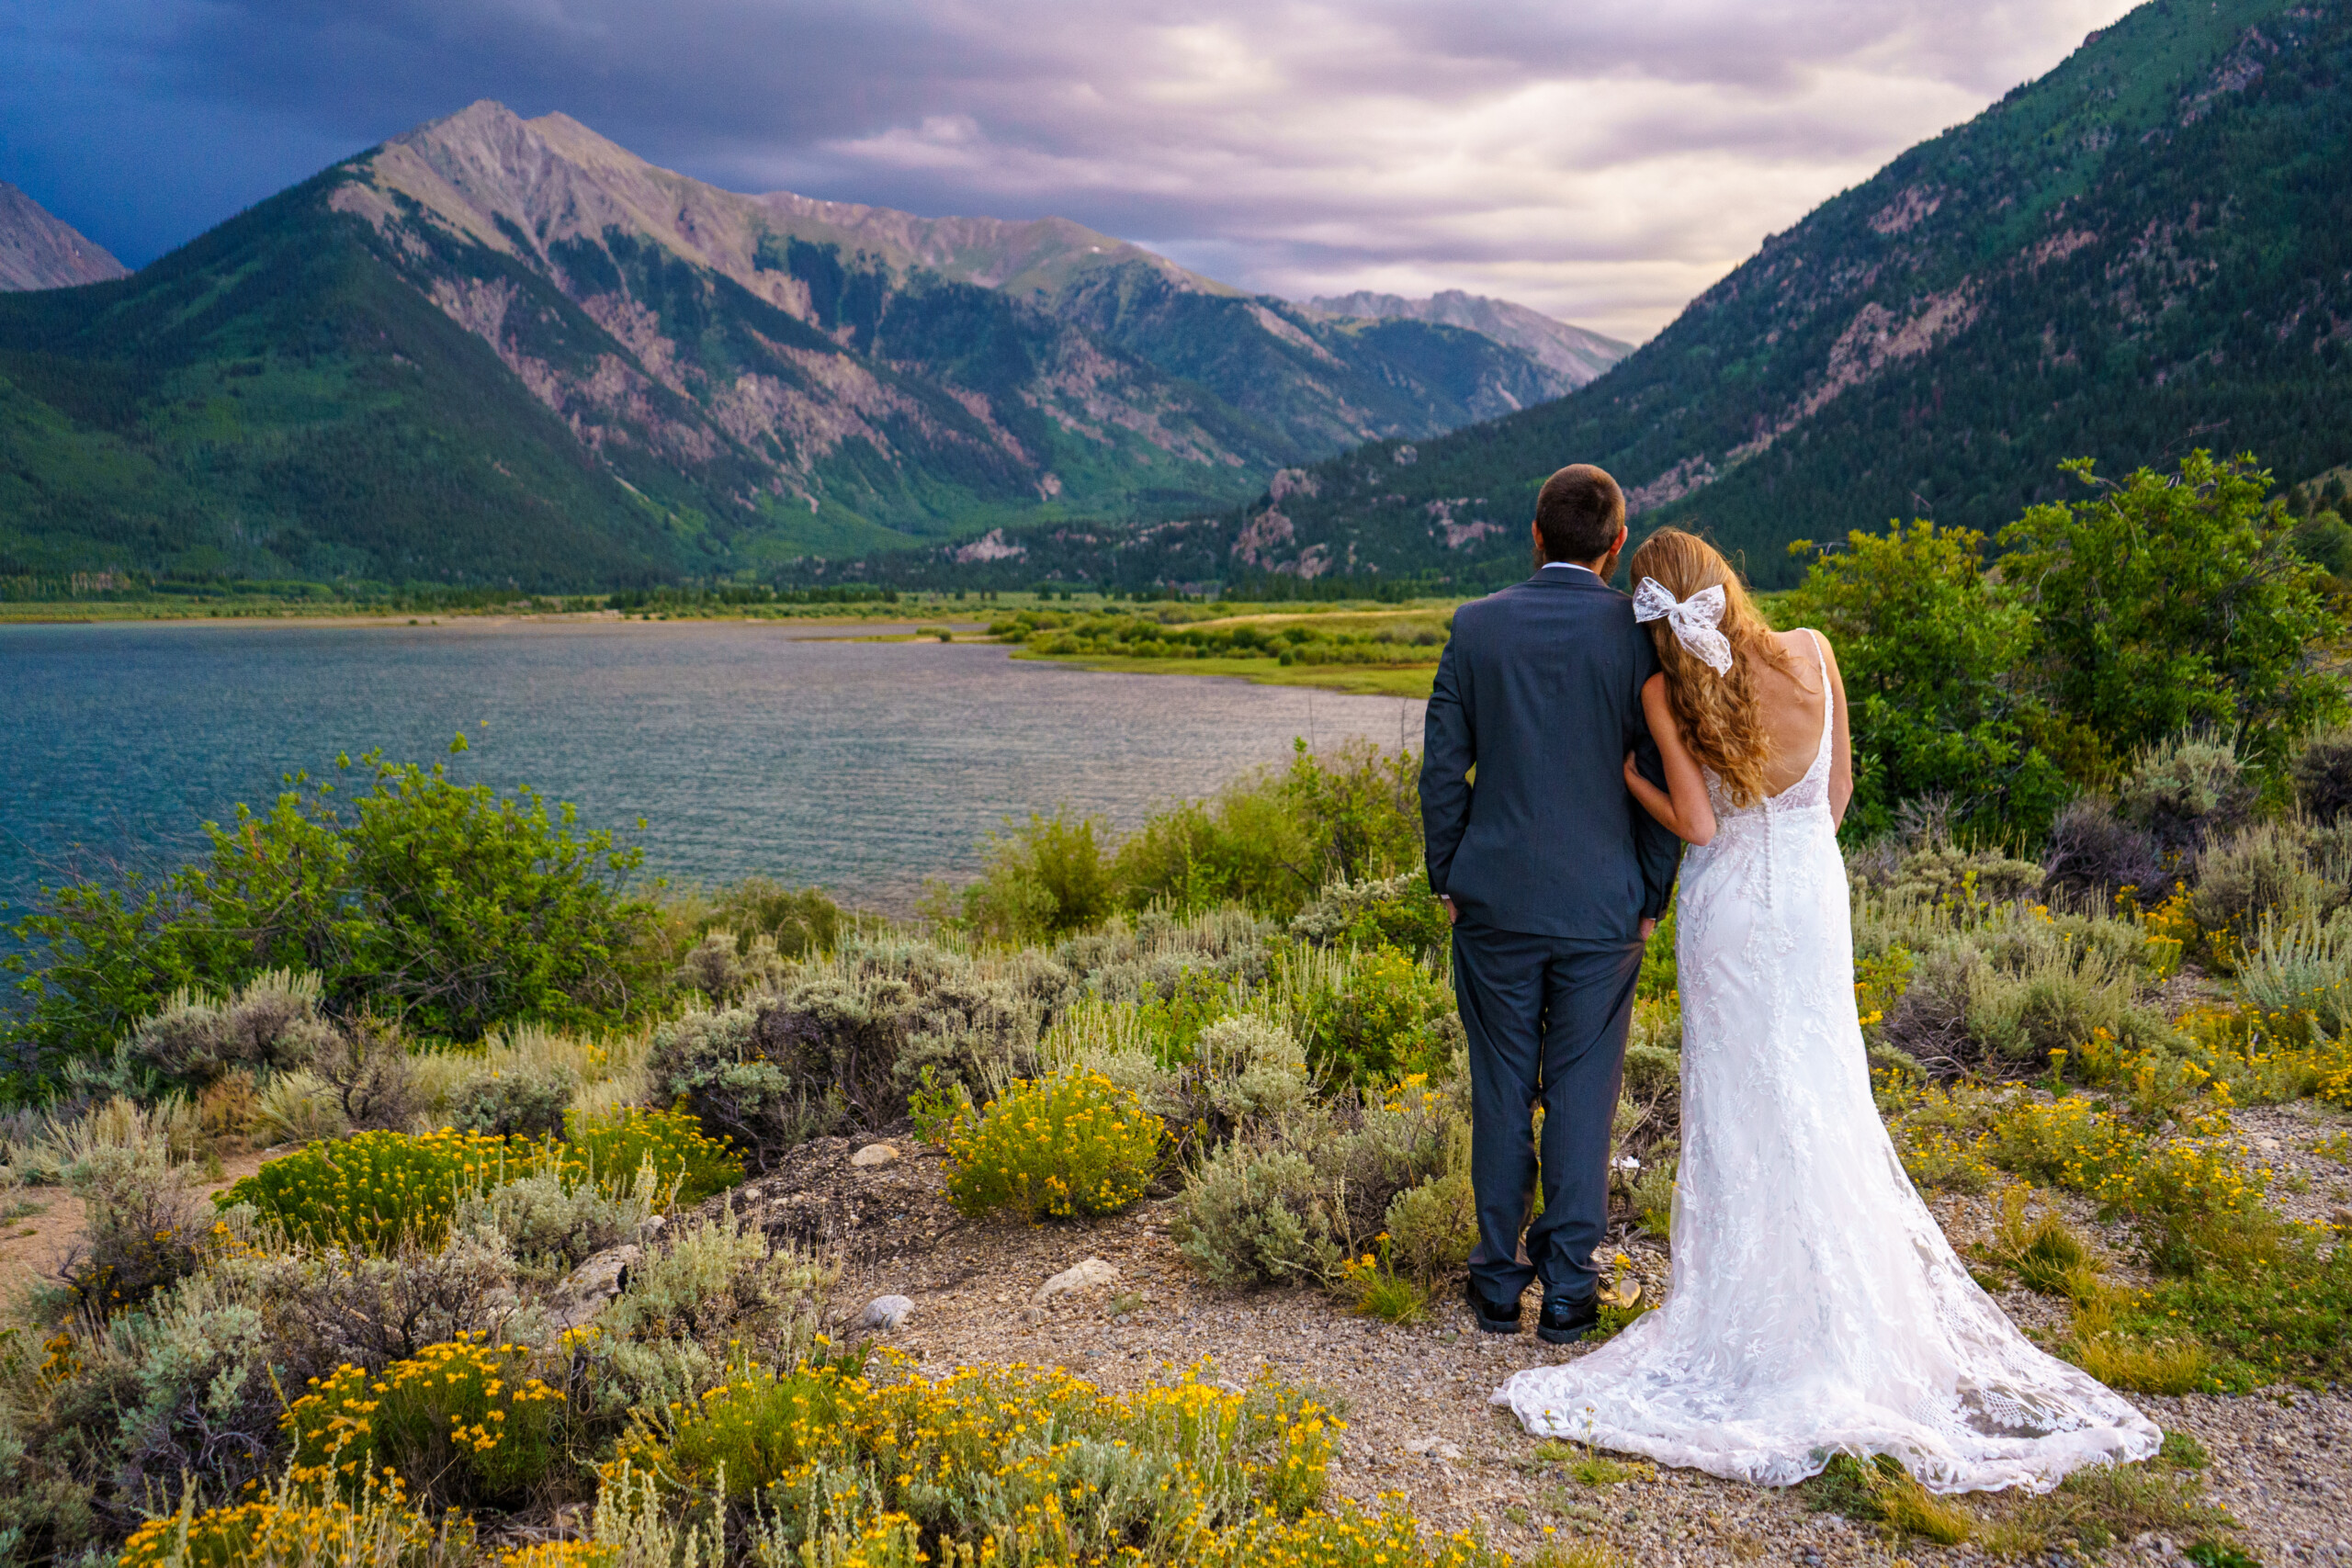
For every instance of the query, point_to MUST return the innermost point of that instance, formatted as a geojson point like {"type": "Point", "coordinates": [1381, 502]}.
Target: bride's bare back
{"type": "Point", "coordinates": [1790, 701]}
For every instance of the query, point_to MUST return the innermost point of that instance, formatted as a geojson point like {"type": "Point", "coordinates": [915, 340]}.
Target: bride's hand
{"type": "Point", "coordinates": [1633, 774]}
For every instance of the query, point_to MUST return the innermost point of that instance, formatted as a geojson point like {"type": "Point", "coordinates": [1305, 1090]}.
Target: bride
{"type": "Point", "coordinates": [1816, 1307]}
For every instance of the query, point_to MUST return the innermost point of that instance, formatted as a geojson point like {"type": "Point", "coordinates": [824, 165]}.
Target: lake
{"type": "Point", "coordinates": [788, 751]}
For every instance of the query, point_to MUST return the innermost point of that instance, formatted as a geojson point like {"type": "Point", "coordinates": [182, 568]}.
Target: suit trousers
{"type": "Point", "coordinates": [1547, 1019]}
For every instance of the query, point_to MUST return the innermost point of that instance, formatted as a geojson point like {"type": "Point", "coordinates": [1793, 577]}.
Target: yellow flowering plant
{"type": "Point", "coordinates": [465, 1419]}
{"type": "Point", "coordinates": [373, 1191]}
{"type": "Point", "coordinates": [1073, 1143]}
{"type": "Point", "coordinates": [1012, 1463]}
{"type": "Point", "coordinates": [289, 1525]}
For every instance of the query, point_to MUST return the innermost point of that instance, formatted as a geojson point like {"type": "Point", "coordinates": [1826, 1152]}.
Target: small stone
{"type": "Point", "coordinates": [1436, 1447]}
{"type": "Point", "coordinates": [886, 1313]}
{"type": "Point", "coordinates": [588, 1288]}
{"type": "Point", "coordinates": [872, 1155]}
{"type": "Point", "coordinates": [1034, 1314]}
{"type": "Point", "coordinates": [1078, 1277]}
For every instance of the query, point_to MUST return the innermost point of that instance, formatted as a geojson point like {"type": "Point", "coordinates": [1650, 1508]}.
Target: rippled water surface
{"type": "Point", "coordinates": [864, 767]}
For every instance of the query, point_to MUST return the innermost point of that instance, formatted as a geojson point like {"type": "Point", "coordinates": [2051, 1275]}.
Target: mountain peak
{"type": "Point", "coordinates": [38, 250]}
{"type": "Point", "coordinates": [1577, 354]}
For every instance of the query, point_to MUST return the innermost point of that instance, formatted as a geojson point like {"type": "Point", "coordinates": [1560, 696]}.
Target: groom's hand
{"type": "Point", "coordinates": [1647, 927]}
{"type": "Point", "coordinates": [1451, 915]}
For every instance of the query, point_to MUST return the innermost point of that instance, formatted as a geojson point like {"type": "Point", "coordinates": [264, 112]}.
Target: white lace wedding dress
{"type": "Point", "coordinates": [1816, 1306]}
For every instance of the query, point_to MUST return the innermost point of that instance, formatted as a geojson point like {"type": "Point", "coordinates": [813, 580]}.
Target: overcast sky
{"type": "Point", "coordinates": [1602, 160]}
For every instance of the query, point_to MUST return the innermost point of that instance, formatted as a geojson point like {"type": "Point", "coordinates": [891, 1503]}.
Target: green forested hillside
{"type": "Point", "coordinates": [2145, 252]}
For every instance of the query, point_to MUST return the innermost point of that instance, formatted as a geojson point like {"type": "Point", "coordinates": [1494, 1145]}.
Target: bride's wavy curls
{"type": "Point", "coordinates": [1721, 720]}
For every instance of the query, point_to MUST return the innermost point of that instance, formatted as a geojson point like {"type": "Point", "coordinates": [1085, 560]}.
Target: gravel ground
{"type": "Point", "coordinates": [1416, 1396]}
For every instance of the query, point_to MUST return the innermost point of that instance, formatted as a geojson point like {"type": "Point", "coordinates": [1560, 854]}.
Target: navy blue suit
{"type": "Point", "coordinates": [1552, 866]}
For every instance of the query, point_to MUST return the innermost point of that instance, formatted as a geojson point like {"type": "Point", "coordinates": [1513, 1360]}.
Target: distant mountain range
{"type": "Point", "coordinates": [498, 350]}
{"type": "Point", "coordinates": [1576, 355]}
{"type": "Point", "coordinates": [38, 251]}
{"type": "Point", "coordinates": [2146, 251]}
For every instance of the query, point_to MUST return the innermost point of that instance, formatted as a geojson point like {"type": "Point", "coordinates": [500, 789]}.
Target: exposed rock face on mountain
{"type": "Point", "coordinates": [38, 251]}
{"type": "Point", "coordinates": [2146, 251]}
{"type": "Point", "coordinates": [498, 349]}
{"type": "Point", "coordinates": [1573, 355]}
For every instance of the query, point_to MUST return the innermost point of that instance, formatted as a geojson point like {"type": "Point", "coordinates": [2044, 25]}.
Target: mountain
{"type": "Point", "coordinates": [37, 251]}
{"type": "Point", "coordinates": [2145, 251]}
{"type": "Point", "coordinates": [509, 351]}
{"type": "Point", "coordinates": [1573, 355]}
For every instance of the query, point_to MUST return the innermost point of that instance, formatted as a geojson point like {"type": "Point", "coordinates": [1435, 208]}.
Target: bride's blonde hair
{"type": "Point", "coordinates": [1720, 717]}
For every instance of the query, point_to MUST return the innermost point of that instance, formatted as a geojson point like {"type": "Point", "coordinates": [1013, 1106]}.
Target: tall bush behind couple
{"type": "Point", "coordinates": [1577, 740]}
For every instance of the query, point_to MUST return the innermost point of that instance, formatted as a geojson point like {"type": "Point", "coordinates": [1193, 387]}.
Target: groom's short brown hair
{"type": "Point", "coordinates": [1579, 513]}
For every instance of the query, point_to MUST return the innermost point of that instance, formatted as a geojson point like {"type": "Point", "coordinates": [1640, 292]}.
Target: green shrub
{"type": "Point", "coordinates": [143, 1228]}
{"type": "Point", "coordinates": [464, 1423]}
{"type": "Point", "coordinates": [553, 1223]}
{"type": "Point", "coordinates": [2323, 775]}
{"type": "Point", "coordinates": [1046, 878]}
{"type": "Point", "coordinates": [528, 1102]}
{"type": "Point", "coordinates": [1373, 1022]}
{"type": "Point", "coordinates": [1929, 647]}
{"type": "Point", "coordinates": [2186, 790]}
{"type": "Point", "coordinates": [2263, 872]}
{"type": "Point", "coordinates": [451, 907]}
{"type": "Point", "coordinates": [1394, 912]}
{"type": "Point", "coordinates": [609, 1149]}
{"type": "Point", "coordinates": [716, 1066]}
{"type": "Point", "coordinates": [378, 1190]}
{"type": "Point", "coordinates": [1255, 1213]}
{"type": "Point", "coordinates": [1074, 1143]}
{"type": "Point", "coordinates": [270, 1024]}
{"type": "Point", "coordinates": [1433, 1227]}
{"type": "Point", "coordinates": [2175, 600]}
{"type": "Point", "coordinates": [799, 921]}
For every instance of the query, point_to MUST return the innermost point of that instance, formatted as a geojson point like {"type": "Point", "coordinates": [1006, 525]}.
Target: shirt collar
{"type": "Point", "coordinates": [1569, 566]}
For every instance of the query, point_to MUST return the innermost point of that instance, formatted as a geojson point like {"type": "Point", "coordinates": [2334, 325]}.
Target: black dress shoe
{"type": "Point", "coordinates": [1493, 1317]}
{"type": "Point", "coordinates": [1568, 1319]}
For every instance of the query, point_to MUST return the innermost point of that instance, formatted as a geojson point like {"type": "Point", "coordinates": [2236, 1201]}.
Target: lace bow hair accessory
{"type": "Point", "coordinates": [1694, 620]}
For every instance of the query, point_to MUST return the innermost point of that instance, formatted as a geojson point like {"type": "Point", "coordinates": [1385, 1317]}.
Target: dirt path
{"type": "Point", "coordinates": [1418, 1421]}
{"type": "Point", "coordinates": [33, 1243]}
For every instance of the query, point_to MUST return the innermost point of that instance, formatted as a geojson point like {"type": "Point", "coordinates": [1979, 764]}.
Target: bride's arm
{"type": "Point", "coordinates": [1683, 808]}
{"type": "Point", "coordinates": [1841, 743]}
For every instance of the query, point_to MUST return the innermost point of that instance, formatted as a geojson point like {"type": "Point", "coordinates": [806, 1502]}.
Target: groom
{"type": "Point", "coordinates": [1553, 876]}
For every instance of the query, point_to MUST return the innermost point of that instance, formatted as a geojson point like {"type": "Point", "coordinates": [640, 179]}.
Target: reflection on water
{"type": "Point", "coordinates": [864, 767]}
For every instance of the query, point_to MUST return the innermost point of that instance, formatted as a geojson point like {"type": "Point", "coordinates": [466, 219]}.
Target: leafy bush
{"type": "Point", "coordinates": [721, 967]}
{"type": "Point", "coordinates": [2323, 775]}
{"type": "Point", "coordinates": [2095, 855]}
{"type": "Point", "coordinates": [528, 1103]}
{"type": "Point", "coordinates": [1255, 1212]}
{"type": "Point", "coordinates": [1378, 1018]}
{"type": "Point", "coordinates": [723, 1283]}
{"type": "Point", "coordinates": [610, 1148]}
{"type": "Point", "coordinates": [450, 906]}
{"type": "Point", "coordinates": [1047, 878]}
{"type": "Point", "coordinates": [1292, 1202]}
{"type": "Point", "coordinates": [718, 1066]}
{"type": "Point", "coordinates": [553, 1221]}
{"type": "Point", "coordinates": [1394, 912]}
{"type": "Point", "coordinates": [2185, 789]}
{"type": "Point", "coordinates": [376, 1191]}
{"type": "Point", "coordinates": [1074, 1143]}
{"type": "Point", "coordinates": [2263, 872]}
{"type": "Point", "coordinates": [798, 921]}
{"type": "Point", "coordinates": [463, 1421]}
{"type": "Point", "coordinates": [271, 1023]}
{"type": "Point", "coordinates": [1931, 650]}
{"type": "Point", "coordinates": [1432, 1228]}
{"type": "Point", "coordinates": [143, 1228]}
{"type": "Point", "coordinates": [2174, 600]}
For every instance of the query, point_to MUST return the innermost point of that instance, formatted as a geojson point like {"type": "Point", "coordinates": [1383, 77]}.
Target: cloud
{"type": "Point", "coordinates": [1604, 161]}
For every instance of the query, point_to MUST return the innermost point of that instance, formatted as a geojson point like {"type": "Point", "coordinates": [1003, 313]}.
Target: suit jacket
{"type": "Point", "coordinates": [1541, 689]}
